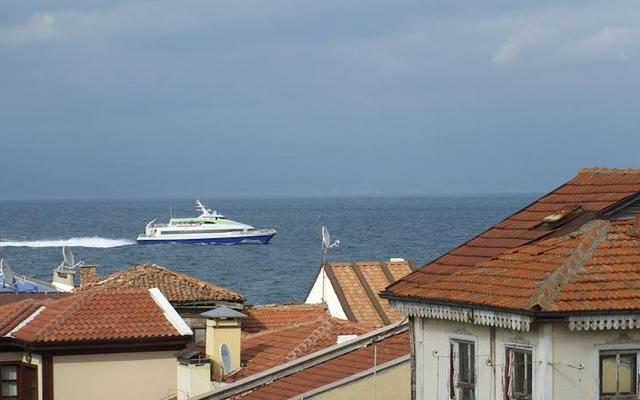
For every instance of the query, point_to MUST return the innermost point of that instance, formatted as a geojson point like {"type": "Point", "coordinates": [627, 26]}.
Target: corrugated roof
{"type": "Point", "coordinates": [178, 288]}
{"type": "Point", "coordinates": [88, 316]}
{"type": "Point", "coordinates": [358, 285]}
{"type": "Point", "coordinates": [597, 191]}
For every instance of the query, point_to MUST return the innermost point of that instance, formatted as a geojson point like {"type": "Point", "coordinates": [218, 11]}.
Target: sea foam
{"type": "Point", "coordinates": [96, 242]}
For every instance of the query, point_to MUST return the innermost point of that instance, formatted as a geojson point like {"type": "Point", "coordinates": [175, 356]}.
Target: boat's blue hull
{"type": "Point", "coordinates": [260, 239]}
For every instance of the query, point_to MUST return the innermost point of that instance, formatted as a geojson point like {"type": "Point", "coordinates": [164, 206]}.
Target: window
{"type": "Point", "coordinates": [18, 382]}
{"type": "Point", "coordinates": [618, 371]}
{"type": "Point", "coordinates": [462, 369]}
{"type": "Point", "coordinates": [9, 375]}
{"type": "Point", "coordinates": [518, 374]}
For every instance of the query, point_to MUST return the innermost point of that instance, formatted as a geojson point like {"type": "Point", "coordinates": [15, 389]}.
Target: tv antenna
{"type": "Point", "coordinates": [68, 261]}
{"type": "Point", "coordinates": [326, 245]}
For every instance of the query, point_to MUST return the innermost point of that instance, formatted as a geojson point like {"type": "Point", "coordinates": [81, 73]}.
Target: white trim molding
{"type": "Point", "coordinates": [604, 322]}
{"type": "Point", "coordinates": [498, 319]}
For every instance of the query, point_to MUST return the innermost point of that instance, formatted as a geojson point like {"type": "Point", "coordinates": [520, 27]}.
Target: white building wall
{"type": "Point", "coordinates": [316, 295]}
{"type": "Point", "coordinates": [565, 362]}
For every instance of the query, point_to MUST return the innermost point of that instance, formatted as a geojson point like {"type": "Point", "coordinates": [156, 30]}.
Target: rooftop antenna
{"type": "Point", "coordinates": [68, 261]}
{"type": "Point", "coordinates": [326, 245]}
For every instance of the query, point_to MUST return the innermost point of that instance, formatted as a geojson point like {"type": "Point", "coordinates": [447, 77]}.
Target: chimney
{"type": "Point", "coordinates": [63, 279]}
{"type": "Point", "coordinates": [88, 275]}
{"type": "Point", "coordinates": [222, 340]}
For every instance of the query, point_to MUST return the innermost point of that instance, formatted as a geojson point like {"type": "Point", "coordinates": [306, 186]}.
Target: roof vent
{"type": "Point", "coordinates": [397, 259]}
{"type": "Point", "coordinates": [562, 215]}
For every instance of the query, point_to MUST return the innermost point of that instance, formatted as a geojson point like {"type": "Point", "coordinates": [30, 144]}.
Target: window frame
{"type": "Point", "coordinates": [468, 339]}
{"type": "Point", "coordinates": [25, 372]}
{"type": "Point", "coordinates": [608, 349]}
{"type": "Point", "coordinates": [508, 347]}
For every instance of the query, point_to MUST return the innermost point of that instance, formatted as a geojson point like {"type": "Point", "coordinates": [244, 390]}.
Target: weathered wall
{"type": "Point", "coordinates": [558, 355]}
{"type": "Point", "coordinates": [141, 375]}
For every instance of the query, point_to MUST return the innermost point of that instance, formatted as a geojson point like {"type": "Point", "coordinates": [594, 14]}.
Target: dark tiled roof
{"type": "Point", "coordinates": [178, 288]}
{"type": "Point", "coordinates": [594, 269]}
{"type": "Point", "coordinates": [278, 316]}
{"type": "Point", "coordinates": [594, 192]}
{"type": "Point", "coordinates": [358, 285]}
{"type": "Point", "coordinates": [88, 316]}
{"type": "Point", "coordinates": [333, 370]}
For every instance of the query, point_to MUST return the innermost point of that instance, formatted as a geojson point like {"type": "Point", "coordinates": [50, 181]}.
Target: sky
{"type": "Point", "coordinates": [225, 98]}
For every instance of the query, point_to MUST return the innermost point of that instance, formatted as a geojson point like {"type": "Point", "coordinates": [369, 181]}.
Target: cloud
{"type": "Point", "coordinates": [569, 34]}
{"type": "Point", "coordinates": [611, 41]}
{"type": "Point", "coordinates": [39, 27]}
{"type": "Point", "coordinates": [521, 42]}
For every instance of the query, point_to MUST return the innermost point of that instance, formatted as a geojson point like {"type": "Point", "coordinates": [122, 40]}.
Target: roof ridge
{"type": "Point", "coordinates": [593, 233]}
{"type": "Point", "coordinates": [608, 171]}
{"type": "Point", "coordinates": [150, 269]}
{"type": "Point", "coordinates": [76, 304]}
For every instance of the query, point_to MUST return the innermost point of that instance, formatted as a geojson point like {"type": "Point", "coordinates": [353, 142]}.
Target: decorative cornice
{"type": "Point", "coordinates": [498, 319]}
{"type": "Point", "coordinates": [604, 322]}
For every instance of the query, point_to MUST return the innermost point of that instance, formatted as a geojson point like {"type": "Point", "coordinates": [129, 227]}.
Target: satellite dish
{"type": "Point", "coordinates": [5, 269]}
{"type": "Point", "coordinates": [326, 238]}
{"type": "Point", "coordinates": [225, 356]}
{"type": "Point", "coordinates": [68, 261]}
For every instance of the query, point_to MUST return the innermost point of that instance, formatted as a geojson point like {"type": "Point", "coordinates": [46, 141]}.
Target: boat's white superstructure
{"type": "Point", "coordinates": [209, 227]}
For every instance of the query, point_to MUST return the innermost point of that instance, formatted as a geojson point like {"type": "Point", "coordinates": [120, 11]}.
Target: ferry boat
{"type": "Point", "coordinates": [209, 227]}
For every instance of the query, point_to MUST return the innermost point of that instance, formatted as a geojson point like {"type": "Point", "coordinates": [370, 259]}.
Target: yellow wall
{"type": "Point", "coordinates": [221, 331]}
{"type": "Point", "coordinates": [393, 383]}
{"type": "Point", "coordinates": [140, 375]}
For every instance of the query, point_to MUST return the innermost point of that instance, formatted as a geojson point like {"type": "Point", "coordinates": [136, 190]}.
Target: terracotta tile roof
{"type": "Point", "coordinates": [333, 370]}
{"type": "Point", "coordinates": [278, 316]}
{"type": "Point", "coordinates": [592, 193]}
{"type": "Point", "coordinates": [596, 268]}
{"type": "Point", "coordinates": [88, 316]}
{"type": "Point", "coordinates": [358, 285]}
{"type": "Point", "coordinates": [178, 288]}
{"type": "Point", "coordinates": [270, 348]}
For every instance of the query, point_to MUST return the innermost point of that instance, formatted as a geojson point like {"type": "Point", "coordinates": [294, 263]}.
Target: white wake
{"type": "Point", "coordinates": [97, 242]}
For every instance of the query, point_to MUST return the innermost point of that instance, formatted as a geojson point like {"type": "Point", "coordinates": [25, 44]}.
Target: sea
{"type": "Point", "coordinates": [103, 232]}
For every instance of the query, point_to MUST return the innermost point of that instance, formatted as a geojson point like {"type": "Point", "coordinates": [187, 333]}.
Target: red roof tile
{"type": "Point", "coordinates": [269, 348]}
{"type": "Point", "coordinates": [178, 288]}
{"type": "Point", "coordinates": [595, 190]}
{"type": "Point", "coordinates": [278, 316]}
{"type": "Point", "coordinates": [358, 285]}
{"type": "Point", "coordinates": [88, 316]}
{"type": "Point", "coordinates": [335, 369]}
{"type": "Point", "coordinates": [594, 269]}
